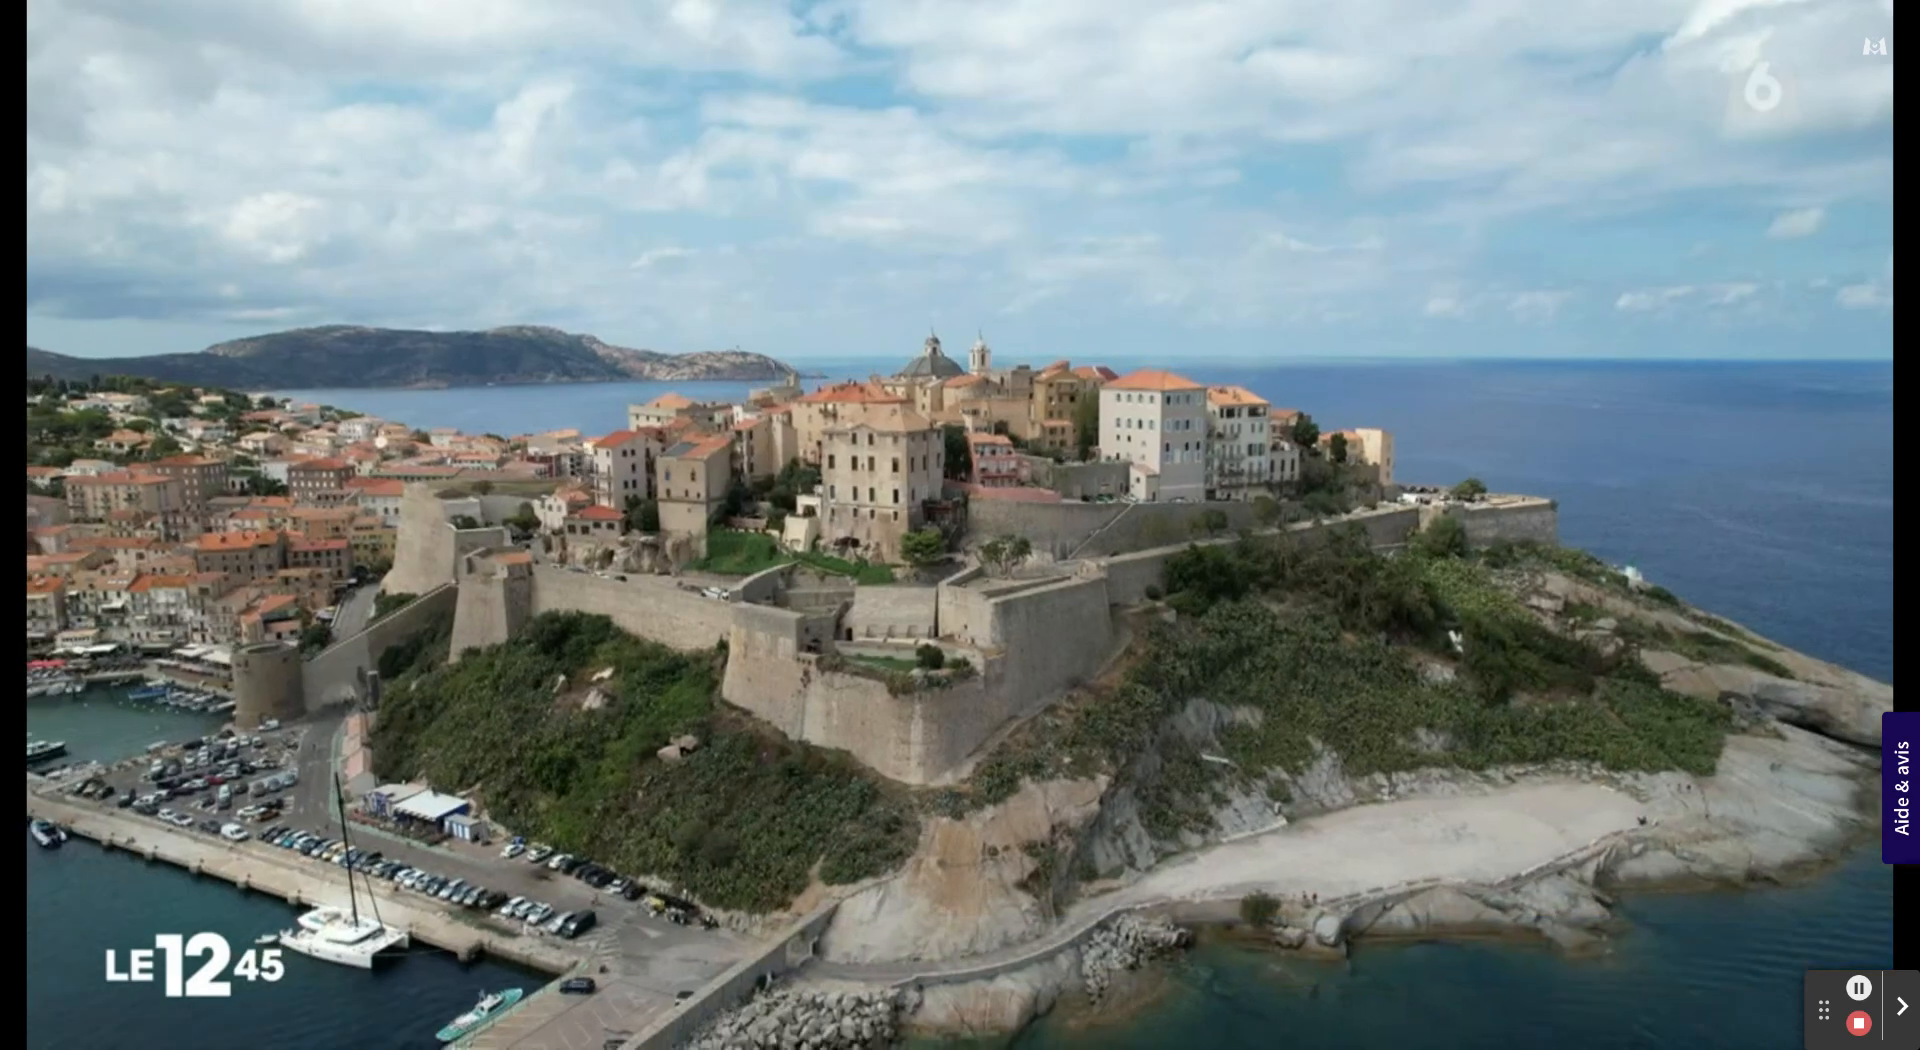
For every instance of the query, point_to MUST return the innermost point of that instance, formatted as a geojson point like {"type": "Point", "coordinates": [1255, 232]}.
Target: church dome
{"type": "Point", "coordinates": [932, 363]}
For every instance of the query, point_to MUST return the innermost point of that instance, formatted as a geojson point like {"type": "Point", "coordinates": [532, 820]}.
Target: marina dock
{"type": "Point", "coordinates": [261, 869]}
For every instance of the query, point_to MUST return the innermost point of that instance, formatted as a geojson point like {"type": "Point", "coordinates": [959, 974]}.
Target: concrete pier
{"type": "Point", "coordinates": [258, 868]}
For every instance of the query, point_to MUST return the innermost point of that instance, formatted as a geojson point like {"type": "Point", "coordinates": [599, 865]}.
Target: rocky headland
{"type": "Point", "coordinates": [1005, 908]}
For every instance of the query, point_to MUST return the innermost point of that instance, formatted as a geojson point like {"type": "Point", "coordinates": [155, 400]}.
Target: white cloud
{"type": "Point", "coordinates": [1804, 222]}
{"type": "Point", "coordinates": [1649, 300]}
{"type": "Point", "coordinates": [483, 161]}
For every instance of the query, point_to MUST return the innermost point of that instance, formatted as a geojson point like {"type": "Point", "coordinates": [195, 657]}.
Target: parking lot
{"type": "Point", "coordinates": [644, 953]}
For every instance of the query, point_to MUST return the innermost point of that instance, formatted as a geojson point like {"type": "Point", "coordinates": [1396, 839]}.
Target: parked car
{"type": "Point", "coordinates": [578, 986]}
{"type": "Point", "coordinates": [577, 923]}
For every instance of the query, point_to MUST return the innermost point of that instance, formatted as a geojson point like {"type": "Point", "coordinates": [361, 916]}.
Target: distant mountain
{"type": "Point", "coordinates": [348, 356]}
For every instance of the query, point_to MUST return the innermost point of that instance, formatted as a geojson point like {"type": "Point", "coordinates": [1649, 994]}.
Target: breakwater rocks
{"type": "Point", "coordinates": [810, 1021]}
{"type": "Point", "coordinates": [1123, 945]}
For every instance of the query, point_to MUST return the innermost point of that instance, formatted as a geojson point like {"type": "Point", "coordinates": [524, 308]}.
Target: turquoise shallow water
{"type": "Point", "coordinates": [1696, 970]}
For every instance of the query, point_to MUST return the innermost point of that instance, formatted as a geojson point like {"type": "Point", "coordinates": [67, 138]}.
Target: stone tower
{"type": "Point", "coordinates": [980, 358]}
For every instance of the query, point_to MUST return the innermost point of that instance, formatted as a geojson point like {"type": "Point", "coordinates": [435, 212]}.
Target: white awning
{"type": "Point", "coordinates": [431, 806]}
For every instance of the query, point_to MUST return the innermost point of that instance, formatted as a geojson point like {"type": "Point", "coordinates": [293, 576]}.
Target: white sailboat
{"type": "Point", "coordinates": [345, 936]}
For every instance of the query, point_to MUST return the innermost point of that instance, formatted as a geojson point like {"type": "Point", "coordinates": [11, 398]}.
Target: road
{"type": "Point", "coordinates": [351, 616]}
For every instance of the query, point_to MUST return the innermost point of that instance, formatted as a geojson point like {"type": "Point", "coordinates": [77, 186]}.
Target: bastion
{"type": "Point", "coordinates": [806, 653]}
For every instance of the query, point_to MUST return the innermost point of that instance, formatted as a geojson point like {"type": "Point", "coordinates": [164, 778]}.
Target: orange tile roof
{"type": "Point", "coordinates": [669, 400]}
{"type": "Point", "coordinates": [853, 393]}
{"type": "Point", "coordinates": [43, 472]}
{"type": "Point", "coordinates": [44, 585]}
{"type": "Point", "coordinates": [515, 557]}
{"type": "Point", "coordinates": [119, 477]}
{"type": "Point", "coordinates": [185, 461]}
{"type": "Point", "coordinates": [966, 380]}
{"type": "Point", "coordinates": [1098, 373]}
{"type": "Point", "coordinates": [597, 513]}
{"type": "Point", "coordinates": [320, 545]}
{"type": "Point", "coordinates": [1154, 379]}
{"type": "Point", "coordinates": [615, 439]}
{"type": "Point", "coordinates": [708, 446]}
{"type": "Point", "coordinates": [377, 486]}
{"type": "Point", "coordinates": [212, 542]}
{"type": "Point", "coordinates": [322, 464]}
{"type": "Point", "coordinates": [989, 439]}
{"type": "Point", "coordinates": [152, 582]}
{"type": "Point", "coordinates": [1233, 395]}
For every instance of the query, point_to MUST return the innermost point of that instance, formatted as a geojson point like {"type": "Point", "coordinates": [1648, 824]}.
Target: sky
{"type": "Point", "coordinates": [1184, 180]}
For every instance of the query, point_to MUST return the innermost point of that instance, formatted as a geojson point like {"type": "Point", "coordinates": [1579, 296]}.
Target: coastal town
{"type": "Point", "coordinates": [184, 522]}
{"type": "Point", "coordinates": [887, 698]}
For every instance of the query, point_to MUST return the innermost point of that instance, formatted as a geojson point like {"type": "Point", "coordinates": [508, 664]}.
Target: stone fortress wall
{"type": "Point", "coordinates": [1029, 639]}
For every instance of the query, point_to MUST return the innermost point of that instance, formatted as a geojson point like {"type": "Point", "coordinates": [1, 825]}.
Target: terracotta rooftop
{"type": "Point", "coordinates": [669, 400]}
{"type": "Point", "coordinates": [1097, 373]}
{"type": "Point", "coordinates": [1154, 379]}
{"type": "Point", "coordinates": [185, 461]}
{"type": "Point", "coordinates": [598, 513]}
{"type": "Point", "coordinates": [615, 439]}
{"type": "Point", "coordinates": [853, 393]}
{"type": "Point", "coordinates": [118, 477]}
{"type": "Point", "coordinates": [212, 542]}
{"type": "Point", "coordinates": [377, 486]}
{"type": "Point", "coordinates": [1233, 395]}
{"type": "Point", "coordinates": [322, 464]}
{"type": "Point", "coordinates": [152, 582]}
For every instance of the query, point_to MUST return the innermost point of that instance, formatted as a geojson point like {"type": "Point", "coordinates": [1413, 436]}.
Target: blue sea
{"type": "Point", "coordinates": [1763, 492]}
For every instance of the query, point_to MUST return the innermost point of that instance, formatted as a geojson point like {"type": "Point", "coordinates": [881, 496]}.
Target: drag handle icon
{"type": "Point", "coordinates": [1763, 91]}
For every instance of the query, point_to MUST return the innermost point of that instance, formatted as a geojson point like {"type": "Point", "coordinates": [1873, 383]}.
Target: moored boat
{"type": "Point", "coordinates": [45, 750]}
{"type": "Point", "coordinates": [484, 1013]}
{"type": "Point", "coordinates": [48, 834]}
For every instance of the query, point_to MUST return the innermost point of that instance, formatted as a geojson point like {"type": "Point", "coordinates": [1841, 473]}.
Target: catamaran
{"type": "Point", "coordinates": [484, 1013]}
{"type": "Point", "coordinates": [345, 936]}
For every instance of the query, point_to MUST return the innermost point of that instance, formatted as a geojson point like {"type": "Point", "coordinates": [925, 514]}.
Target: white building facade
{"type": "Point", "coordinates": [1157, 421]}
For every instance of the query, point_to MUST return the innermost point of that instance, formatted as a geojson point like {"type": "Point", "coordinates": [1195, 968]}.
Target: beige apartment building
{"type": "Point", "coordinates": [1239, 444]}
{"type": "Point", "coordinates": [243, 555]}
{"type": "Point", "coordinates": [623, 466]}
{"type": "Point", "coordinates": [319, 481]}
{"type": "Point", "coordinates": [1366, 446]}
{"type": "Point", "coordinates": [665, 409]}
{"type": "Point", "coordinates": [1157, 421]}
{"type": "Point", "coordinates": [694, 476]}
{"type": "Point", "coordinates": [763, 444]}
{"type": "Point", "coordinates": [202, 480]}
{"type": "Point", "coordinates": [123, 494]}
{"type": "Point", "coordinates": [881, 463]}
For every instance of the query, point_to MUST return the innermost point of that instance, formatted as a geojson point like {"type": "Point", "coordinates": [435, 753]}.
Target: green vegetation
{"type": "Point", "coordinates": [1305, 432]}
{"type": "Point", "coordinates": [1470, 489]}
{"type": "Point", "coordinates": [923, 547]}
{"type": "Point", "coordinates": [745, 553]}
{"type": "Point", "coordinates": [740, 553]}
{"type": "Point", "coordinates": [1333, 645]}
{"type": "Point", "coordinates": [1086, 425]}
{"type": "Point", "coordinates": [1703, 646]}
{"type": "Point", "coordinates": [1259, 909]}
{"type": "Point", "coordinates": [929, 657]}
{"type": "Point", "coordinates": [740, 823]}
{"type": "Point", "coordinates": [386, 604]}
{"type": "Point", "coordinates": [1002, 554]}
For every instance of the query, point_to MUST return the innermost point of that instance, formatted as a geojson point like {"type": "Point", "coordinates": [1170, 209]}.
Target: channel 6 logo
{"type": "Point", "coordinates": [1762, 94]}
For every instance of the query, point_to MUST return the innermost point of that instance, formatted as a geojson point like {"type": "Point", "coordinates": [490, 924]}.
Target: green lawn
{"type": "Point", "coordinates": [882, 663]}
{"type": "Point", "coordinates": [741, 553]}
{"type": "Point", "coordinates": [745, 553]}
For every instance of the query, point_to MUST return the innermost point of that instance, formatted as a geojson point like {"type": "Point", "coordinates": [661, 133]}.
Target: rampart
{"type": "Point", "coordinates": [1089, 530]}
{"type": "Point", "coordinates": [428, 548]}
{"type": "Point", "coordinates": [1030, 639]}
{"type": "Point", "coordinates": [1509, 518]}
{"type": "Point", "coordinates": [339, 675]}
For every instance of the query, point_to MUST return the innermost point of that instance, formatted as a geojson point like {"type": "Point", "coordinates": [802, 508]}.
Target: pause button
{"type": "Point", "coordinates": [1859, 987]}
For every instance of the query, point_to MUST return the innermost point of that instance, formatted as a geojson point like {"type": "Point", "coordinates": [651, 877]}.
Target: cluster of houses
{"type": "Point", "coordinates": [250, 536]}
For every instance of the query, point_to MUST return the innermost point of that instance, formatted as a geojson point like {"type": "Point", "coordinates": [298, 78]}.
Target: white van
{"type": "Point", "coordinates": [234, 833]}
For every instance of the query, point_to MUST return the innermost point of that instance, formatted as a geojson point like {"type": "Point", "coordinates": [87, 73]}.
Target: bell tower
{"type": "Point", "coordinates": [980, 358]}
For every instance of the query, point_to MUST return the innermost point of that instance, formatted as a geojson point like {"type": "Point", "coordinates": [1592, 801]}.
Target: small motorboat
{"type": "Point", "coordinates": [267, 938]}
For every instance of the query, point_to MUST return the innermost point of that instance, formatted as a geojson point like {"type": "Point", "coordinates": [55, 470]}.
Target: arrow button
{"type": "Point", "coordinates": [1903, 1006]}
